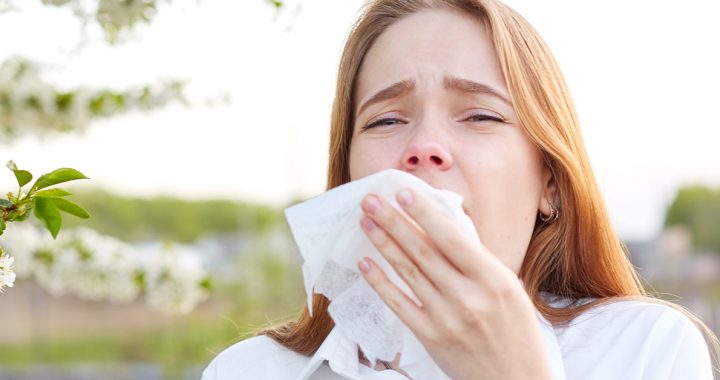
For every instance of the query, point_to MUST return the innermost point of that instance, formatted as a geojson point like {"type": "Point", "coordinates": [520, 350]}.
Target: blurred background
{"type": "Point", "coordinates": [199, 121]}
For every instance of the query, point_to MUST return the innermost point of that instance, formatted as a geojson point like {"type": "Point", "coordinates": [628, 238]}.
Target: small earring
{"type": "Point", "coordinates": [554, 214]}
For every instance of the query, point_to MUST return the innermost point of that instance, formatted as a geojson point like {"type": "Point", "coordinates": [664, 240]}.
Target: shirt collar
{"type": "Point", "coordinates": [341, 354]}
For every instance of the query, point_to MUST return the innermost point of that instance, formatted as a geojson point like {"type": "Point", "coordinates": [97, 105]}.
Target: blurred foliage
{"type": "Point", "coordinates": [117, 16]}
{"type": "Point", "coordinates": [268, 290]}
{"type": "Point", "coordinates": [698, 209]}
{"type": "Point", "coordinates": [113, 16]}
{"type": "Point", "coordinates": [267, 286]}
{"type": "Point", "coordinates": [28, 104]}
{"type": "Point", "coordinates": [166, 218]}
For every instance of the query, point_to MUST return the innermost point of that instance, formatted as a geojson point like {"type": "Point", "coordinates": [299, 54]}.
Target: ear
{"type": "Point", "coordinates": [549, 191]}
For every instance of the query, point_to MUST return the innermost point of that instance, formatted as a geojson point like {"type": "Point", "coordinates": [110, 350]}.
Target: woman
{"type": "Point", "coordinates": [465, 95]}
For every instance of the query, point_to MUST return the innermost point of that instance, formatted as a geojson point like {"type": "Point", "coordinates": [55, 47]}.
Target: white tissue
{"type": "Point", "coordinates": [327, 231]}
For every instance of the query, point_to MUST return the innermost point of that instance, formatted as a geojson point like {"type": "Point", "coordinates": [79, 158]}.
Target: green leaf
{"type": "Point", "coordinates": [4, 203]}
{"type": "Point", "coordinates": [276, 3]}
{"type": "Point", "coordinates": [2, 229]}
{"type": "Point", "coordinates": [23, 176]}
{"type": "Point", "coordinates": [44, 256]}
{"type": "Point", "coordinates": [52, 193]}
{"type": "Point", "coordinates": [57, 176]}
{"type": "Point", "coordinates": [140, 279]}
{"type": "Point", "coordinates": [70, 208]}
{"type": "Point", "coordinates": [206, 283]}
{"type": "Point", "coordinates": [47, 212]}
{"type": "Point", "coordinates": [64, 100]}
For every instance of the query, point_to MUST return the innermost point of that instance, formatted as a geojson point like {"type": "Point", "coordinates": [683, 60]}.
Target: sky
{"type": "Point", "coordinates": [643, 76]}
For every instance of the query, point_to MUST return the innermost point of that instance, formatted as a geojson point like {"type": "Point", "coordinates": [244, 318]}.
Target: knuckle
{"type": "Point", "coordinates": [382, 240]}
{"type": "Point", "coordinates": [394, 303]}
{"type": "Point", "coordinates": [418, 211]}
{"type": "Point", "coordinates": [395, 263]}
{"type": "Point", "coordinates": [453, 329]}
{"type": "Point", "coordinates": [424, 253]}
{"type": "Point", "coordinates": [409, 271]}
{"type": "Point", "coordinates": [389, 219]}
{"type": "Point", "coordinates": [456, 290]}
{"type": "Point", "coordinates": [454, 243]}
{"type": "Point", "coordinates": [432, 336]}
{"type": "Point", "coordinates": [471, 314]}
{"type": "Point", "coordinates": [379, 284]}
{"type": "Point", "coordinates": [503, 288]}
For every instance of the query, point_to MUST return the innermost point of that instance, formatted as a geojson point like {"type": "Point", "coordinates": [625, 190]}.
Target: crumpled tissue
{"type": "Point", "coordinates": [327, 230]}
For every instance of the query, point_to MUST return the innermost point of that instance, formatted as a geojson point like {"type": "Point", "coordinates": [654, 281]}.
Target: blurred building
{"type": "Point", "coordinates": [674, 270]}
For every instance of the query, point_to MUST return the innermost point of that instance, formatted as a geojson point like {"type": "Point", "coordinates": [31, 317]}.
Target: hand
{"type": "Point", "coordinates": [475, 319]}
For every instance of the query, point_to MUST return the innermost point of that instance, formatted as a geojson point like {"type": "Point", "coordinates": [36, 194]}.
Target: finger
{"type": "Point", "coordinates": [412, 242]}
{"type": "Point", "coordinates": [413, 276]}
{"type": "Point", "coordinates": [460, 250]}
{"type": "Point", "coordinates": [405, 308]}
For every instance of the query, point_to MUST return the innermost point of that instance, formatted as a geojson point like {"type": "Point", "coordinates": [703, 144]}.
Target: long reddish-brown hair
{"type": "Point", "coordinates": [579, 255]}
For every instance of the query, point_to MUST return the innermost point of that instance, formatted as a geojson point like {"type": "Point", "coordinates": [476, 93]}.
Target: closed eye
{"type": "Point", "coordinates": [481, 117]}
{"type": "Point", "coordinates": [381, 122]}
{"type": "Point", "coordinates": [392, 121]}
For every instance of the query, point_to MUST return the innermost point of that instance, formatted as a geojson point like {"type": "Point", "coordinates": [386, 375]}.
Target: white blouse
{"type": "Point", "coordinates": [631, 340]}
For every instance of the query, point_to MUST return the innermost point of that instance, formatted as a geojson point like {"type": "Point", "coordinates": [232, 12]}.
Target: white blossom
{"type": "Point", "coordinates": [7, 276]}
{"type": "Point", "coordinates": [173, 284]}
{"type": "Point", "coordinates": [92, 266]}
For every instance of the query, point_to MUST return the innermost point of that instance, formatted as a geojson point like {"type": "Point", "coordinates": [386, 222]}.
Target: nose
{"type": "Point", "coordinates": [425, 152]}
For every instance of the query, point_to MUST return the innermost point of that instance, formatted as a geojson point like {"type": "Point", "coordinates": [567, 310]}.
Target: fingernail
{"type": "Point", "coordinates": [367, 223]}
{"type": "Point", "coordinates": [371, 204]}
{"type": "Point", "coordinates": [405, 197]}
{"type": "Point", "coordinates": [363, 265]}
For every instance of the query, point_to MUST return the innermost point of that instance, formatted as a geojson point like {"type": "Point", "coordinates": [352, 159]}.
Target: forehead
{"type": "Point", "coordinates": [426, 46]}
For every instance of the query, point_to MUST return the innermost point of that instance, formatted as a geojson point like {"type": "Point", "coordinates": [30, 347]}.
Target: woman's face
{"type": "Point", "coordinates": [431, 100]}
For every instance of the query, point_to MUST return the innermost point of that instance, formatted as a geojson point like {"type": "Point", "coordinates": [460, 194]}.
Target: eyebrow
{"type": "Point", "coordinates": [393, 91]}
{"type": "Point", "coordinates": [470, 87]}
{"type": "Point", "coordinates": [402, 87]}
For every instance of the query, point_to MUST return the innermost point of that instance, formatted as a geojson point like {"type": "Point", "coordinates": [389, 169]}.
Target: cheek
{"type": "Point", "coordinates": [509, 167]}
{"type": "Point", "coordinates": [505, 183]}
{"type": "Point", "coordinates": [369, 157]}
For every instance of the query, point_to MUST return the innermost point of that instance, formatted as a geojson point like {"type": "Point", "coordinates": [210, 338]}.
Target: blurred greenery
{"type": "Point", "coordinates": [269, 289]}
{"type": "Point", "coordinates": [134, 219]}
{"type": "Point", "coordinates": [29, 104]}
{"type": "Point", "coordinates": [112, 16]}
{"type": "Point", "coordinates": [698, 209]}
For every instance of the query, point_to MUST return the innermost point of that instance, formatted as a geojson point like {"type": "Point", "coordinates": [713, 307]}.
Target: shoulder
{"type": "Point", "coordinates": [653, 339]}
{"type": "Point", "coordinates": [639, 315]}
{"type": "Point", "coordinates": [259, 357]}
{"type": "Point", "coordinates": [640, 312]}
